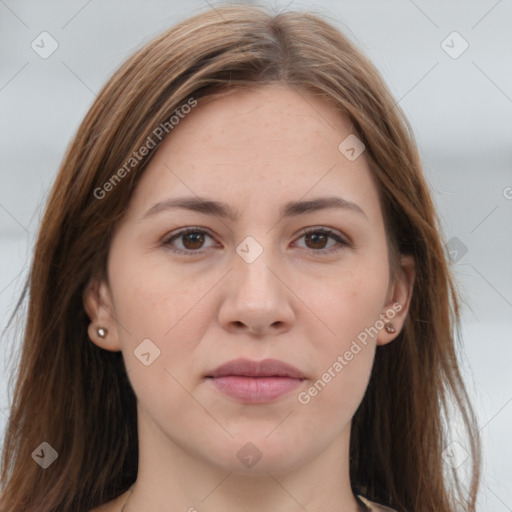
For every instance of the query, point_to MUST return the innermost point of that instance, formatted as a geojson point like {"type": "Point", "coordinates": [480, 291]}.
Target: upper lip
{"type": "Point", "coordinates": [264, 368]}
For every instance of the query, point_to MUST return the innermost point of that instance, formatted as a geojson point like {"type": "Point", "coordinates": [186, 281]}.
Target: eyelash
{"type": "Point", "coordinates": [324, 231]}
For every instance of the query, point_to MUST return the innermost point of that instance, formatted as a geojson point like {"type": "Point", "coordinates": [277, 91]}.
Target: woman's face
{"type": "Point", "coordinates": [256, 169]}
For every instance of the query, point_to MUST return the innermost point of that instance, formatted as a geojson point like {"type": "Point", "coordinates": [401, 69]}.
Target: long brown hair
{"type": "Point", "coordinates": [77, 397]}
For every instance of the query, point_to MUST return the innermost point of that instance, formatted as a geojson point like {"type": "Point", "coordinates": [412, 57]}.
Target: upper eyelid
{"type": "Point", "coordinates": [305, 230]}
{"type": "Point", "coordinates": [184, 231]}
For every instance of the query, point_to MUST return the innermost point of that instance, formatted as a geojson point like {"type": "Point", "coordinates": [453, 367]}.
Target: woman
{"type": "Point", "coordinates": [239, 298]}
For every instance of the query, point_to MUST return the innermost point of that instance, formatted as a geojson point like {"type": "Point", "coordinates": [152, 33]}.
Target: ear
{"type": "Point", "coordinates": [98, 305]}
{"type": "Point", "coordinates": [399, 299]}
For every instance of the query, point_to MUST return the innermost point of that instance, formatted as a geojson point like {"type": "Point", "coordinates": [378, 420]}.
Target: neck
{"type": "Point", "coordinates": [174, 478]}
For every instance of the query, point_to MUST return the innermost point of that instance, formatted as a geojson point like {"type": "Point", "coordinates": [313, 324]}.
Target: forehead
{"type": "Point", "coordinates": [266, 145]}
{"type": "Point", "coordinates": [288, 121]}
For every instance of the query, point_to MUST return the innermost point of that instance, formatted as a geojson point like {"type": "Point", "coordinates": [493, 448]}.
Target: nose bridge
{"type": "Point", "coordinates": [252, 268]}
{"type": "Point", "coordinates": [256, 299]}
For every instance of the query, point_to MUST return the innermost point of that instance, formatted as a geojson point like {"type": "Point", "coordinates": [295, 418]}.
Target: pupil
{"type": "Point", "coordinates": [316, 236]}
{"type": "Point", "coordinates": [197, 240]}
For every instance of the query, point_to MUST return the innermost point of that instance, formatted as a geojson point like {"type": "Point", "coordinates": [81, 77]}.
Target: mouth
{"type": "Point", "coordinates": [256, 381]}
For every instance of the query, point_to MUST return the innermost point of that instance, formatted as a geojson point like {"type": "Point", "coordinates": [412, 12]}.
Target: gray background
{"type": "Point", "coordinates": [460, 109]}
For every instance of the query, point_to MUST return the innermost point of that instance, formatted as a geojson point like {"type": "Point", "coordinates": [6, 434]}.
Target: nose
{"type": "Point", "coordinates": [257, 299]}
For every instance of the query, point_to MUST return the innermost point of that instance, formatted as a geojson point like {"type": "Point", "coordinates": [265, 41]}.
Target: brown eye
{"type": "Point", "coordinates": [317, 240]}
{"type": "Point", "coordinates": [188, 241]}
{"type": "Point", "coordinates": [193, 240]}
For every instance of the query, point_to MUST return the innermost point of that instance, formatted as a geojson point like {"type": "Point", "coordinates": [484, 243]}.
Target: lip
{"type": "Point", "coordinates": [256, 381]}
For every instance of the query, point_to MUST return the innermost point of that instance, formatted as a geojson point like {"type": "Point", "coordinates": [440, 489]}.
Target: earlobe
{"type": "Point", "coordinates": [99, 308]}
{"type": "Point", "coordinates": [397, 308]}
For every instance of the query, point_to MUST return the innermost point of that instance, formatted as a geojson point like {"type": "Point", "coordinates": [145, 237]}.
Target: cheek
{"type": "Point", "coordinates": [152, 301]}
{"type": "Point", "coordinates": [168, 309]}
{"type": "Point", "coordinates": [349, 302]}
{"type": "Point", "coordinates": [339, 387]}
{"type": "Point", "coordinates": [344, 351]}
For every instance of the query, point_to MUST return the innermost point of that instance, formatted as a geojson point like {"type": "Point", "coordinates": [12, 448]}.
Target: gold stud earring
{"type": "Point", "coordinates": [390, 328]}
{"type": "Point", "coordinates": [101, 332]}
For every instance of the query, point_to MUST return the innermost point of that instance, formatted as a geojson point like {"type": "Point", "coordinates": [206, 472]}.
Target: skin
{"type": "Point", "coordinates": [254, 150]}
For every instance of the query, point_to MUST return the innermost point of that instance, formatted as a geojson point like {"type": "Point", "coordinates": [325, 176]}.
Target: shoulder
{"type": "Point", "coordinates": [106, 507]}
{"type": "Point", "coordinates": [114, 505]}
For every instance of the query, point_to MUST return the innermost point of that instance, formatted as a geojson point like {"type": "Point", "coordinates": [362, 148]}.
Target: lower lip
{"type": "Point", "coordinates": [255, 389]}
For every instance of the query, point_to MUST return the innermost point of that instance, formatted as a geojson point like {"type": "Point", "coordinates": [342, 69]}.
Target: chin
{"type": "Point", "coordinates": [259, 455]}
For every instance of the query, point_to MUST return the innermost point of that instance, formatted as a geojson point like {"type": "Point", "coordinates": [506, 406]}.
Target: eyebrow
{"type": "Point", "coordinates": [220, 209]}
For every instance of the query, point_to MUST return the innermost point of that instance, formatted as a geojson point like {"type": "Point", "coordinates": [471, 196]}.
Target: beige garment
{"type": "Point", "coordinates": [375, 507]}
